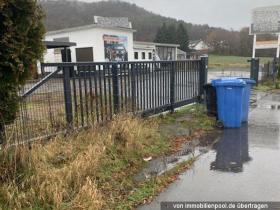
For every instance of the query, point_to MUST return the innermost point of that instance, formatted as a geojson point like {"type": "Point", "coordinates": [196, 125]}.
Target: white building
{"type": "Point", "coordinates": [107, 39]}
{"type": "Point", "coordinates": [149, 51]}
{"type": "Point", "coordinates": [144, 51]}
{"type": "Point", "coordinates": [197, 49]}
{"type": "Point", "coordinates": [198, 45]}
{"type": "Point", "coordinates": [181, 55]}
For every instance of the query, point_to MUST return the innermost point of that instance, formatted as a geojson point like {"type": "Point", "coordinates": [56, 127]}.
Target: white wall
{"type": "Point", "coordinates": [90, 38]}
{"type": "Point", "coordinates": [146, 51]}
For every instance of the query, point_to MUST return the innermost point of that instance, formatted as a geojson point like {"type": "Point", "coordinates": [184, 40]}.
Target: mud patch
{"type": "Point", "coordinates": [174, 130]}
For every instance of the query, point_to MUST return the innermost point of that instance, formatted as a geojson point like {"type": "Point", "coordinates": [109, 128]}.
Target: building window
{"type": "Point", "coordinates": [143, 55]}
{"type": "Point", "coordinates": [150, 56]}
{"type": "Point", "coordinates": [136, 55]}
{"type": "Point", "coordinates": [84, 54]}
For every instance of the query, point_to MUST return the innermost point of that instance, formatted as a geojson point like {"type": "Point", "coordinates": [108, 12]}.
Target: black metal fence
{"type": "Point", "coordinates": [270, 69]}
{"type": "Point", "coordinates": [77, 95]}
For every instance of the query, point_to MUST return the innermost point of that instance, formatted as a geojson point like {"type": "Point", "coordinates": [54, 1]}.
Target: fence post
{"type": "Point", "coordinates": [268, 69]}
{"type": "Point", "coordinates": [203, 71]}
{"type": "Point", "coordinates": [133, 88]}
{"type": "Point", "coordinates": [172, 85]}
{"type": "Point", "coordinates": [67, 96]}
{"type": "Point", "coordinates": [115, 81]}
{"type": "Point", "coordinates": [255, 69]}
{"type": "Point", "coordinates": [274, 68]}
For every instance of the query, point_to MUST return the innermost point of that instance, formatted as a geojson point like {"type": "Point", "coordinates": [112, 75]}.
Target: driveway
{"type": "Point", "coordinates": [243, 166]}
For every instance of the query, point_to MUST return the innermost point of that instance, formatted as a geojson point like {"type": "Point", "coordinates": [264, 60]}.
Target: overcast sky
{"type": "Point", "coordinates": [221, 13]}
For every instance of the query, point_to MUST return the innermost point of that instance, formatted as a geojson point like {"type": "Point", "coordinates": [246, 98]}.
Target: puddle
{"type": "Point", "coordinates": [266, 106]}
{"type": "Point", "coordinates": [189, 150]}
{"type": "Point", "coordinates": [275, 98]}
{"type": "Point", "coordinates": [158, 166]}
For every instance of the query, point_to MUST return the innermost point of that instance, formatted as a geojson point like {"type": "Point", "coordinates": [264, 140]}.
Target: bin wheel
{"type": "Point", "coordinates": [220, 125]}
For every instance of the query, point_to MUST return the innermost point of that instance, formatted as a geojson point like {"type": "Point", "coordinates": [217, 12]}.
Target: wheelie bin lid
{"type": "Point", "coordinates": [248, 80]}
{"type": "Point", "coordinates": [229, 82]}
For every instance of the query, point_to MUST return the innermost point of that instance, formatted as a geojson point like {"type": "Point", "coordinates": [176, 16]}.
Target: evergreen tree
{"type": "Point", "coordinates": [161, 36]}
{"type": "Point", "coordinates": [21, 34]}
{"type": "Point", "coordinates": [166, 34]}
{"type": "Point", "coordinates": [171, 36]}
{"type": "Point", "coordinates": [182, 37]}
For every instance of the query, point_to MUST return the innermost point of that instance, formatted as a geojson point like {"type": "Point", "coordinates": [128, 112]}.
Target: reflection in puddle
{"type": "Point", "coordinates": [232, 150]}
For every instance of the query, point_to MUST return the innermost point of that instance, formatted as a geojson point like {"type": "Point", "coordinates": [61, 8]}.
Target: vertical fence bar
{"type": "Point", "coordinates": [105, 67]}
{"type": "Point", "coordinates": [275, 68]}
{"type": "Point", "coordinates": [101, 96]}
{"type": "Point", "coordinates": [202, 75]}
{"type": "Point", "coordinates": [67, 95]}
{"type": "Point", "coordinates": [91, 94]}
{"type": "Point", "coordinates": [76, 114]}
{"type": "Point", "coordinates": [80, 95]}
{"type": "Point", "coordinates": [85, 72]}
{"type": "Point", "coordinates": [133, 88]}
{"type": "Point", "coordinates": [115, 88]}
{"type": "Point", "coordinates": [172, 86]}
{"type": "Point", "coordinates": [125, 74]}
{"type": "Point", "coordinates": [97, 99]}
{"type": "Point", "coordinates": [110, 91]}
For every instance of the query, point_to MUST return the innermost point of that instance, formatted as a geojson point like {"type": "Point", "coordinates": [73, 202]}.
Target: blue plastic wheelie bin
{"type": "Point", "coordinates": [246, 98]}
{"type": "Point", "coordinates": [230, 101]}
{"type": "Point", "coordinates": [246, 95]}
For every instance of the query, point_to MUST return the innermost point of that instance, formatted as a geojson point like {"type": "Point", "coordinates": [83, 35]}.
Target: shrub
{"type": "Point", "coordinates": [21, 34]}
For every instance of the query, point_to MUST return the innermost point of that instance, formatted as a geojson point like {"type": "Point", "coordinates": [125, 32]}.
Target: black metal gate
{"type": "Point", "coordinates": [95, 92]}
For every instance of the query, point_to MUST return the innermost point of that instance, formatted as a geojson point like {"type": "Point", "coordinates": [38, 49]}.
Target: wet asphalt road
{"type": "Point", "coordinates": [243, 166]}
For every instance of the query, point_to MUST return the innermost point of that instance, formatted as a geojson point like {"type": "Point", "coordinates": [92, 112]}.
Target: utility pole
{"type": "Point", "coordinates": [278, 47]}
{"type": "Point", "coordinates": [254, 46]}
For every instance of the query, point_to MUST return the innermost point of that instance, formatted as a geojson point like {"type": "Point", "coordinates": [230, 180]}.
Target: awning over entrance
{"type": "Point", "coordinates": [55, 44]}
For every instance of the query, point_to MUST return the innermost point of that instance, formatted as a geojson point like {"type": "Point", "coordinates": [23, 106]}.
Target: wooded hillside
{"type": "Point", "coordinates": [66, 13]}
{"type": "Point", "coordinates": [63, 14]}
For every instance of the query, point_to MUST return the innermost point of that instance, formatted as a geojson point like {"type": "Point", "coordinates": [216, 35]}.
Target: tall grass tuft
{"type": "Point", "coordinates": [61, 174]}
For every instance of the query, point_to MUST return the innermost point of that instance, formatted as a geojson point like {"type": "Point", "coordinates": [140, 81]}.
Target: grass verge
{"type": "Point", "coordinates": [268, 85]}
{"type": "Point", "coordinates": [192, 117]}
{"type": "Point", "coordinates": [219, 61]}
{"type": "Point", "coordinates": [93, 169]}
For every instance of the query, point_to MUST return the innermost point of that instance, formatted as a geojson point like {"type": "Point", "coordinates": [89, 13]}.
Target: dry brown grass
{"type": "Point", "coordinates": [62, 173]}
